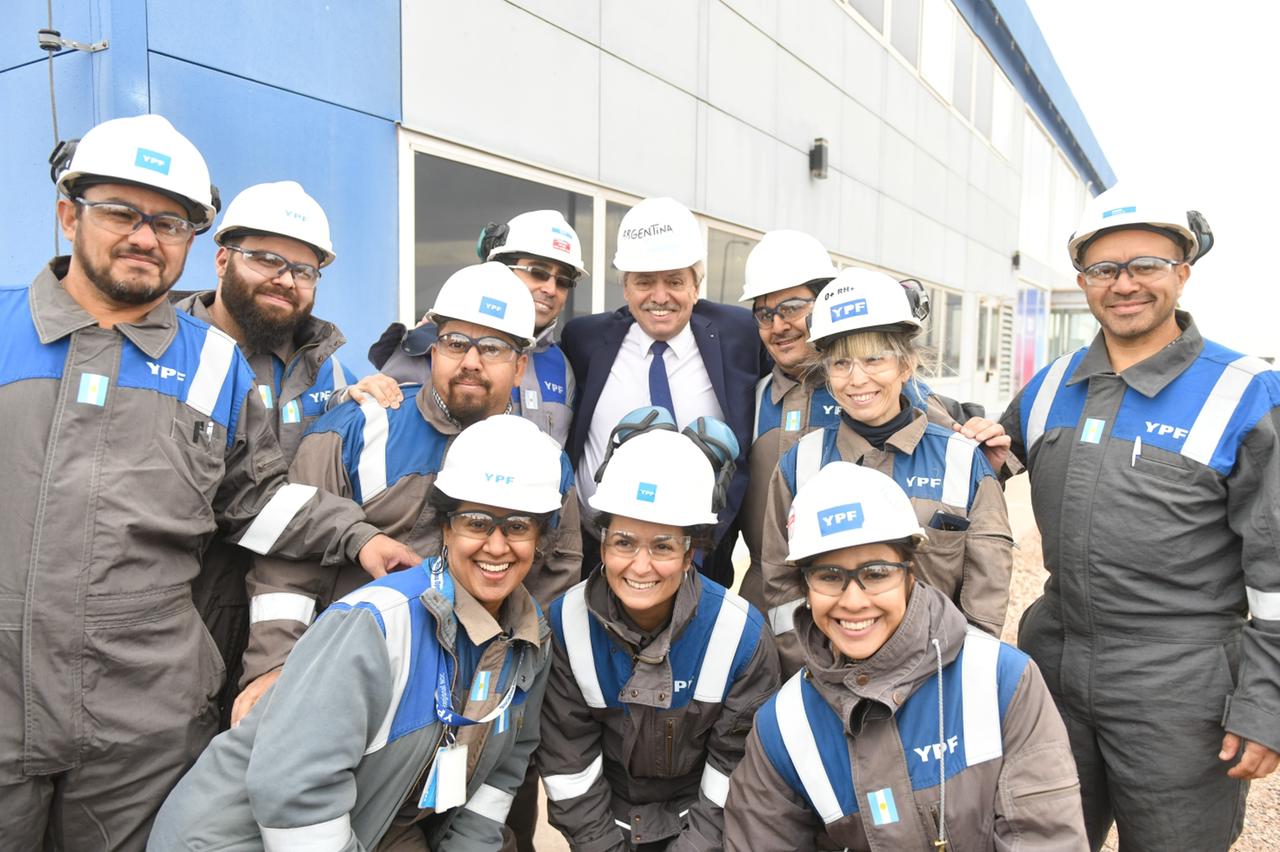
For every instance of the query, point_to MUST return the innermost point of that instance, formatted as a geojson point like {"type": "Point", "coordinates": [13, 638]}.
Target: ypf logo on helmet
{"type": "Point", "coordinates": [499, 478]}
{"type": "Point", "coordinates": [840, 518]}
{"type": "Point", "coordinates": [844, 310]}
{"type": "Point", "coordinates": [647, 492]}
{"type": "Point", "coordinates": [493, 307]}
{"type": "Point", "coordinates": [153, 160]}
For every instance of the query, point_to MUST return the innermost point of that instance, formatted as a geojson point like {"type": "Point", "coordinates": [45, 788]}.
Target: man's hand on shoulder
{"type": "Point", "coordinates": [383, 554]}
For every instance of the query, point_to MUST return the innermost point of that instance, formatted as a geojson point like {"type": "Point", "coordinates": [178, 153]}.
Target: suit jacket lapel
{"type": "Point", "coordinates": [598, 369]}
{"type": "Point", "coordinates": [705, 333]}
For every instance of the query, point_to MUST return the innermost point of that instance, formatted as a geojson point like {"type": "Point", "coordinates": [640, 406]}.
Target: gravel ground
{"type": "Point", "coordinates": [1262, 819]}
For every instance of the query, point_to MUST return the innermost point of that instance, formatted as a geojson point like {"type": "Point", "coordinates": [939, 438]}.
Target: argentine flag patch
{"type": "Point", "coordinates": [1092, 431]}
{"type": "Point", "coordinates": [883, 810]}
{"type": "Point", "coordinates": [480, 686]}
{"type": "Point", "coordinates": [792, 422]}
{"type": "Point", "coordinates": [93, 389]}
{"type": "Point", "coordinates": [268, 398]}
{"type": "Point", "coordinates": [292, 412]}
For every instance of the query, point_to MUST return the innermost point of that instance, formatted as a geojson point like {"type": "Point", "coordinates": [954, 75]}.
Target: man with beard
{"type": "Point", "coordinates": [665, 347]}
{"type": "Point", "coordinates": [545, 253]}
{"type": "Point", "coordinates": [133, 434]}
{"type": "Point", "coordinates": [274, 240]}
{"type": "Point", "coordinates": [1154, 457]}
{"type": "Point", "coordinates": [385, 459]}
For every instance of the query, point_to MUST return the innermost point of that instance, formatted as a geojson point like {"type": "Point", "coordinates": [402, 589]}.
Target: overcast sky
{"type": "Point", "coordinates": [1185, 94]}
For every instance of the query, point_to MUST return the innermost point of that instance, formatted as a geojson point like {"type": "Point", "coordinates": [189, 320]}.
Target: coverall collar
{"type": "Point", "coordinates": [1152, 375]}
{"type": "Point", "coordinates": [57, 315]}
{"type": "Point", "coordinates": [518, 616]}
{"type": "Point", "coordinates": [546, 338]}
{"type": "Point", "coordinates": [781, 385]}
{"type": "Point", "coordinates": [651, 682]}
{"type": "Point", "coordinates": [879, 686]}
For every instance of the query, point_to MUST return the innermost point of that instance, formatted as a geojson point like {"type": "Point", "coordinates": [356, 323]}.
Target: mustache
{"type": "Point", "coordinates": [279, 292]}
{"type": "Point", "coordinates": [129, 251]}
{"type": "Point", "coordinates": [473, 376]}
{"type": "Point", "coordinates": [659, 306]}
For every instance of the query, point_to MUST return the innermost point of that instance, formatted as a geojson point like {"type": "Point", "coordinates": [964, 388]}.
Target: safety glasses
{"type": "Point", "coordinates": [123, 219]}
{"type": "Point", "coordinates": [542, 275]}
{"type": "Point", "coordinates": [874, 578]}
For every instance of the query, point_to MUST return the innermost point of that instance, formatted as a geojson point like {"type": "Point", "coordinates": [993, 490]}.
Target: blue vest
{"type": "Point", "coordinates": [706, 658]}
{"type": "Point", "coordinates": [813, 755]}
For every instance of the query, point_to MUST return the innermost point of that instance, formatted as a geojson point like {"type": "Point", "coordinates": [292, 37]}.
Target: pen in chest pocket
{"type": "Point", "coordinates": [1137, 452]}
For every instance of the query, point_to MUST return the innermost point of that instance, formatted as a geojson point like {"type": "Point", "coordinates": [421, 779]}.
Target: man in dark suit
{"type": "Point", "coordinates": [694, 358]}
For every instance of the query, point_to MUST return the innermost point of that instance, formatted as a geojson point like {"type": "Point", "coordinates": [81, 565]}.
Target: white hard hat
{"type": "Point", "coordinates": [504, 461]}
{"type": "Point", "coordinates": [782, 260]}
{"type": "Point", "coordinates": [143, 150]}
{"type": "Point", "coordinates": [661, 477]}
{"type": "Point", "coordinates": [1121, 208]}
{"type": "Point", "coordinates": [542, 233]}
{"type": "Point", "coordinates": [659, 234]}
{"type": "Point", "coordinates": [859, 299]}
{"type": "Point", "coordinates": [844, 505]}
{"type": "Point", "coordinates": [487, 294]}
{"type": "Point", "coordinates": [282, 208]}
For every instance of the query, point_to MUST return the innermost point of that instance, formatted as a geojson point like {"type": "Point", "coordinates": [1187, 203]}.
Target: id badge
{"type": "Point", "coordinates": [446, 785]}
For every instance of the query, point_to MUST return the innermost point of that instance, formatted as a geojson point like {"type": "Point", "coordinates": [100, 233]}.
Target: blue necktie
{"type": "Point", "coordinates": [659, 387]}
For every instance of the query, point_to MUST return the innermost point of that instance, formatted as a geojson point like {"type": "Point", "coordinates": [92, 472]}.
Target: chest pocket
{"type": "Point", "coordinates": [679, 739]}
{"type": "Point", "coordinates": [1161, 464]}
{"type": "Point", "coordinates": [195, 447]}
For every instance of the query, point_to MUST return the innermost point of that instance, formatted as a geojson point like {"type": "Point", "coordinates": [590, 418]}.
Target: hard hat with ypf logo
{"type": "Point", "coordinates": [487, 294]}
{"type": "Point", "coordinates": [282, 208]}
{"type": "Point", "coordinates": [660, 234]}
{"type": "Point", "coordinates": [659, 476]}
{"type": "Point", "coordinates": [844, 505]}
{"type": "Point", "coordinates": [857, 300]}
{"type": "Point", "coordinates": [145, 151]}
{"type": "Point", "coordinates": [538, 233]}
{"type": "Point", "coordinates": [782, 260]}
{"type": "Point", "coordinates": [504, 461]}
{"type": "Point", "coordinates": [1130, 208]}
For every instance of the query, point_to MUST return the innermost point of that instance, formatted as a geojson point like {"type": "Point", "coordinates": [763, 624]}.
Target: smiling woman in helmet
{"type": "Point", "coordinates": [406, 715]}
{"type": "Point", "coordinates": [657, 670]}
{"type": "Point", "coordinates": [906, 729]}
{"type": "Point", "coordinates": [864, 329]}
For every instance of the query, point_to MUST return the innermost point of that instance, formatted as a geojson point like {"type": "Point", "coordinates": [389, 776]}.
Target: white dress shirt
{"type": "Point", "coordinates": [627, 389]}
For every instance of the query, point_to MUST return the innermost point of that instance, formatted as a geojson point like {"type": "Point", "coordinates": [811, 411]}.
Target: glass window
{"type": "Point", "coordinates": [1034, 223]}
{"type": "Point", "coordinates": [937, 46]}
{"type": "Point", "coordinates": [952, 329]}
{"type": "Point", "coordinates": [984, 339]}
{"type": "Point", "coordinates": [726, 265]}
{"type": "Point", "coordinates": [932, 333]}
{"type": "Point", "coordinates": [613, 213]}
{"type": "Point", "coordinates": [871, 10]}
{"type": "Point", "coordinates": [1002, 114]}
{"type": "Point", "coordinates": [452, 204]}
{"type": "Point", "coordinates": [963, 88]}
{"type": "Point", "coordinates": [983, 69]}
{"type": "Point", "coordinates": [905, 23]}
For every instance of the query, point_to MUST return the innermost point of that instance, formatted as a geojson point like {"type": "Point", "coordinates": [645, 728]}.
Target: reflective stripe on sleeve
{"type": "Point", "coordinates": [983, 739]}
{"type": "Point", "coordinates": [281, 606]}
{"type": "Point", "coordinates": [332, 834]}
{"type": "Point", "coordinates": [215, 361]}
{"type": "Point", "coordinates": [715, 784]}
{"type": "Point", "coordinates": [958, 474]}
{"type": "Point", "coordinates": [397, 623]}
{"type": "Point", "coordinates": [1211, 423]}
{"type": "Point", "coordinates": [577, 644]}
{"type": "Point", "coordinates": [782, 618]}
{"type": "Point", "coordinates": [1264, 605]}
{"type": "Point", "coordinates": [570, 786]}
{"type": "Point", "coordinates": [797, 737]}
{"type": "Point", "coordinates": [808, 457]}
{"type": "Point", "coordinates": [490, 803]}
{"type": "Point", "coordinates": [372, 467]}
{"type": "Point", "coordinates": [1044, 401]}
{"type": "Point", "coordinates": [722, 647]}
{"type": "Point", "coordinates": [275, 516]}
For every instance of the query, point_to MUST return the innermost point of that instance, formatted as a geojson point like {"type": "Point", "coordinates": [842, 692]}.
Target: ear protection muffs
{"type": "Point", "coordinates": [720, 445]}
{"type": "Point", "coordinates": [492, 236]}
{"type": "Point", "coordinates": [1204, 234]}
{"type": "Point", "coordinates": [917, 297]}
{"type": "Point", "coordinates": [636, 422]}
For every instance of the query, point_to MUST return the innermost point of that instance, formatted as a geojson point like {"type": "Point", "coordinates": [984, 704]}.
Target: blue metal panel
{"type": "Point", "coordinates": [23, 17]}
{"type": "Point", "coordinates": [344, 52]}
{"type": "Point", "coordinates": [1010, 32]}
{"type": "Point", "coordinates": [26, 214]}
{"type": "Point", "coordinates": [120, 71]}
{"type": "Point", "coordinates": [251, 133]}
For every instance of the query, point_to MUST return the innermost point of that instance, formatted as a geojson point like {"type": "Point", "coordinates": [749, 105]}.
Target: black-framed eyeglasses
{"type": "Point", "coordinates": [123, 219]}
{"type": "Point", "coordinates": [1140, 269]}
{"type": "Point", "coordinates": [542, 275]}
{"type": "Point", "coordinates": [789, 309]}
{"type": "Point", "coordinates": [874, 578]}
{"type": "Point", "coordinates": [661, 548]}
{"type": "Point", "coordinates": [456, 345]}
{"type": "Point", "coordinates": [477, 524]}
{"type": "Point", "coordinates": [271, 265]}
